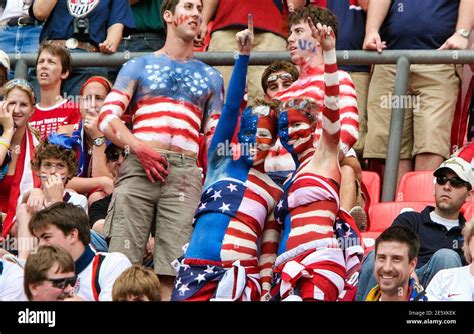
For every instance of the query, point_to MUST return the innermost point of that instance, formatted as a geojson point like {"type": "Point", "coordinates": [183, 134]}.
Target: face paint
{"type": "Point", "coordinates": [247, 133]}
{"type": "Point", "coordinates": [265, 138]}
{"type": "Point", "coordinates": [306, 45]}
{"type": "Point", "coordinates": [179, 20]}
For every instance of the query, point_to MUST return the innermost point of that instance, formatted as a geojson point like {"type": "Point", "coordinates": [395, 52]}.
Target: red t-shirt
{"type": "Point", "coordinates": [268, 16]}
{"type": "Point", "coordinates": [49, 119]}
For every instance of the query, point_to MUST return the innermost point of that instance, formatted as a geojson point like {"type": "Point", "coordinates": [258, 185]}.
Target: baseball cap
{"type": "Point", "coordinates": [460, 167]}
{"type": "Point", "coordinates": [4, 60]}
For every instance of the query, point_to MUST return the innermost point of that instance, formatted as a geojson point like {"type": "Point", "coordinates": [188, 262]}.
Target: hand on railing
{"type": "Point", "coordinates": [373, 42]}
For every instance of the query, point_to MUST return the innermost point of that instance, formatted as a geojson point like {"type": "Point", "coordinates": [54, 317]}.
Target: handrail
{"type": "Point", "coordinates": [403, 59]}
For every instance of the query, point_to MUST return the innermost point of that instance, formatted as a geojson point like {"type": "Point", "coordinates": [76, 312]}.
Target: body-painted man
{"type": "Point", "coordinates": [172, 98]}
{"type": "Point", "coordinates": [221, 261]}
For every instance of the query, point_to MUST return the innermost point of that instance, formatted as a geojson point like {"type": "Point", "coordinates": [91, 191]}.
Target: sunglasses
{"type": "Point", "coordinates": [305, 106]}
{"type": "Point", "coordinates": [62, 283]}
{"type": "Point", "coordinates": [455, 181]}
{"type": "Point", "coordinates": [284, 76]}
{"type": "Point", "coordinates": [114, 156]}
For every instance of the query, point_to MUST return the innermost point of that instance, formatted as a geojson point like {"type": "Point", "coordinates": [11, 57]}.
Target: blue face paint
{"type": "Point", "coordinates": [247, 135]}
{"type": "Point", "coordinates": [283, 131]}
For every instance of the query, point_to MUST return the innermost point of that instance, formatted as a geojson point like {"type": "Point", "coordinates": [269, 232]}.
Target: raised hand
{"type": "Point", "coordinates": [90, 124]}
{"type": "Point", "coordinates": [53, 189]}
{"type": "Point", "coordinates": [323, 34]}
{"type": "Point", "coordinates": [245, 38]}
{"type": "Point", "coordinates": [6, 117]}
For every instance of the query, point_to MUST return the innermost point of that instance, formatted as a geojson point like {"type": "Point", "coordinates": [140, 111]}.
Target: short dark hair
{"type": "Point", "coordinates": [317, 14]}
{"type": "Point", "coordinates": [168, 5]}
{"type": "Point", "coordinates": [277, 66]}
{"type": "Point", "coordinates": [41, 261]}
{"type": "Point", "coordinates": [66, 217]}
{"type": "Point", "coordinates": [403, 235]}
{"type": "Point", "coordinates": [57, 50]}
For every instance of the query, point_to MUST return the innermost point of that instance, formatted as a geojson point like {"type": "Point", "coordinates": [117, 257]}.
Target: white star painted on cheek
{"type": "Point", "coordinates": [217, 194]}
{"type": "Point", "coordinates": [224, 207]}
{"type": "Point", "coordinates": [232, 187]}
{"type": "Point", "coordinates": [182, 290]}
{"type": "Point", "coordinates": [201, 277]}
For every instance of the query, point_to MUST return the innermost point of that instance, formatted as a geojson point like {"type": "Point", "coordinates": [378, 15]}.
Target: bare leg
{"type": "Point", "coordinates": [404, 166]}
{"type": "Point", "coordinates": [166, 286]}
{"type": "Point", "coordinates": [428, 161]}
{"type": "Point", "coordinates": [348, 191]}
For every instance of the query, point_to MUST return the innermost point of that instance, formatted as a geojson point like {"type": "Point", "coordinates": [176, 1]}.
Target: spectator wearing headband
{"type": "Point", "coordinates": [17, 144]}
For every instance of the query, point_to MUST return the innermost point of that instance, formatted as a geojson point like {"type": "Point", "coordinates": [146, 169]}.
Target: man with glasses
{"type": "Point", "coordinates": [49, 275]}
{"type": "Point", "coordinates": [439, 228]}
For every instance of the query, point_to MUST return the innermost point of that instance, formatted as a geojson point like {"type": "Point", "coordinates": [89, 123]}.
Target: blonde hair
{"type": "Point", "coordinates": [467, 233]}
{"type": "Point", "coordinates": [137, 281]}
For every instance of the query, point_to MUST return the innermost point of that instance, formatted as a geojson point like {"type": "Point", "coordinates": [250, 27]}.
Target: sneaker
{"type": "Point", "coordinates": [360, 217]}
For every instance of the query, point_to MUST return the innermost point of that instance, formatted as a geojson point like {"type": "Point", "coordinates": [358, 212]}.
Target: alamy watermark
{"type": "Point", "coordinates": [400, 101]}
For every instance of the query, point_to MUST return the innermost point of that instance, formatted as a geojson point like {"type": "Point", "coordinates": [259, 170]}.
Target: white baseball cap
{"type": "Point", "coordinates": [4, 60]}
{"type": "Point", "coordinates": [460, 167]}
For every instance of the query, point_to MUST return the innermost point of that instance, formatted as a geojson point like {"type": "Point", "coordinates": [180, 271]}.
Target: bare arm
{"type": "Point", "coordinates": [465, 21]}
{"type": "Point", "coordinates": [364, 4]}
{"type": "Point", "coordinates": [209, 8]}
{"type": "Point", "coordinates": [112, 41]}
{"type": "Point", "coordinates": [295, 4]}
{"type": "Point", "coordinates": [42, 8]}
{"type": "Point", "coordinates": [375, 16]}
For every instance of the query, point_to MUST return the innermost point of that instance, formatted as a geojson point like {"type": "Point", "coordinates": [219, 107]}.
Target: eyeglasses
{"type": "Point", "coordinates": [283, 76]}
{"type": "Point", "coordinates": [307, 106]}
{"type": "Point", "coordinates": [58, 166]}
{"type": "Point", "coordinates": [455, 181]}
{"type": "Point", "coordinates": [114, 155]}
{"type": "Point", "coordinates": [62, 283]}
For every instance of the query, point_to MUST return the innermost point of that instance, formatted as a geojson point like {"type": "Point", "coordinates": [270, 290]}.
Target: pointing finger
{"type": "Point", "coordinates": [250, 22]}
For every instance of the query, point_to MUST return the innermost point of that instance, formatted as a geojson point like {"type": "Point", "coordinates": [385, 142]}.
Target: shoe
{"type": "Point", "coordinates": [360, 217]}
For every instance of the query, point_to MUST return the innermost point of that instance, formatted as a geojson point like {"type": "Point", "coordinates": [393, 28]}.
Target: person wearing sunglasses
{"type": "Point", "coordinates": [49, 275]}
{"type": "Point", "coordinates": [439, 228]}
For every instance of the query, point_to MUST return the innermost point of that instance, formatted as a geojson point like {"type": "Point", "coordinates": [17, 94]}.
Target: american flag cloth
{"type": "Point", "coordinates": [349, 239]}
{"type": "Point", "coordinates": [203, 280]}
{"type": "Point", "coordinates": [316, 274]}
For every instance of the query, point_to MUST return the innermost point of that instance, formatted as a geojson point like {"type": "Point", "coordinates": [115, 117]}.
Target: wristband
{"type": "Point", "coordinates": [5, 143]}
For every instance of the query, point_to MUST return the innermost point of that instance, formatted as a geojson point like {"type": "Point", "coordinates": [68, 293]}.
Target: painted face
{"type": "Point", "coordinates": [301, 44]}
{"type": "Point", "coordinates": [450, 199]}
{"type": "Point", "coordinates": [92, 98]}
{"type": "Point", "coordinates": [278, 82]}
{"type": "Point", "coordinates": [55, 287]}
{"type": "Point", "coordinates": [392, 268]}
{"type": "Point", "coordinates": [256, 134]}
{"type": "Point", "coordinates": [187, 18]}
{"type": "Point", "coordinates": [53, 166]}
{"type": "Point", "coordinates": [49, 69]}
{"type": "Point", "coordinates": [295, 128]}
{"type": "Point", "coordinates": [20, 104]}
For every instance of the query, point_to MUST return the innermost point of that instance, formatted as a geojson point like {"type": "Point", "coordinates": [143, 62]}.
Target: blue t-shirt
{"type": "Point", "coordinates": [351, 30]}
{"type": "Point", "coordinates": [60, 23]}
{"type": "Point", "coordinates": [419, 24]}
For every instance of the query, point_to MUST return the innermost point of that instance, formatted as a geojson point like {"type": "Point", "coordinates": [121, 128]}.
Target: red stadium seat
{"type": "Point", "coordinates": [416, 186]}
{"type": "Point", "coordinates": [368, 238]}
{"type": "Point", "coordinates": [371, 180]}
{"type": "Point", "coordinates": [383, 214]}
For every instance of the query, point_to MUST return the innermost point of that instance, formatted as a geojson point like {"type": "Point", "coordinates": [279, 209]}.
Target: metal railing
{"type": "Point", "coordinates": [403, 59]}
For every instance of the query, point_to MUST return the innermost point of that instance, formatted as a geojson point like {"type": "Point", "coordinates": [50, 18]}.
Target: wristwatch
{"type": "Point", "coordinates": [464, 32]}
{"type": "Point", "coordinates": [99, 141]}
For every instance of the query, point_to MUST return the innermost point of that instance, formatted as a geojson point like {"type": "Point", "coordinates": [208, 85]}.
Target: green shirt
{"type": "Point", "coordinates": [147, 15]}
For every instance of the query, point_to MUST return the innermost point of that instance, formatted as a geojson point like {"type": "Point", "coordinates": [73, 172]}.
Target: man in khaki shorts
{"type": "Point", "coordinates": [172, 98]}
{"type": "Point", "coordinates": [432, 90]}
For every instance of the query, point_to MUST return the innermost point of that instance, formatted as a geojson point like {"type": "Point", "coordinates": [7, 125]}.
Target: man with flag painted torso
{"type": "Point", "coordinates": [221, 261]}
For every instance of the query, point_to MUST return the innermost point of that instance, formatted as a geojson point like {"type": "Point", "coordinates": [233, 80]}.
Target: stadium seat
{"type": "Point", "coordinates": [383, 214]}
{"type": "Point", "coordinates": [371, 181]}
{"type": "Point", "coordinates": [368, 239]}
{"type": "Point", "coordinates": [416, 186]}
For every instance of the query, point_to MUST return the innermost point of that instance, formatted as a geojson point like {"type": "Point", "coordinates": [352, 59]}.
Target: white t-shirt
{"type": "Point", "coordinates": [454, 284]}
{"type": "Point", "coordinates": [77, 199]}
{"type": "Point", "coordinates": [16, 8]}
{"type": "Point", "coordinates": [448, 223]}
{"type": "Point", "coordinates": [111, 268]}
{"type": "Point", "coordinates": [11, 279]}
